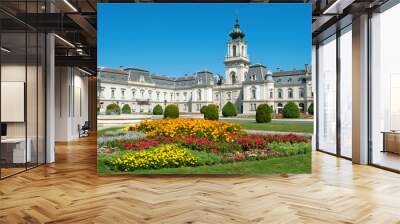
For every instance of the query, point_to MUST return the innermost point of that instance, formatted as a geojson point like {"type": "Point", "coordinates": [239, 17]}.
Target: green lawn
{"type": "Point", "coordinates": [102, 131]}
{"type": "Point", "coordinates": [291, 164]}
{"type": "Point", "coordinates": [282, 126]}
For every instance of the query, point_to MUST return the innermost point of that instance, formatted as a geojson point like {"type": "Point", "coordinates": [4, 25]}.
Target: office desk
{"type": "Point", "coordinates": [13, 150]}
{"type": "Point", "coordinates": [391, 141]}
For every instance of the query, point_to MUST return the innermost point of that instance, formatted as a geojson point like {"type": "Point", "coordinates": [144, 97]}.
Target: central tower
{"type": "Point", "coordinates": [237, 61]}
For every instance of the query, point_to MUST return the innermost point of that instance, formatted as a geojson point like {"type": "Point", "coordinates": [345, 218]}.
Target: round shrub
{"type": "Point", "coordinates": [157, 110]}
{"type": "Point", "coordinates": [126, 109]}
{"type": "Point", "coordinates": [311, 109]}
{"type": "Point", "coordinates": [229, 110]}
{"type": "Point", "coordinates": [171, 111]}
{"type": "Point", "coordinates": [263, 113]}
{"type": "Point", "coordinates": [211, 112]}
{"type": "Point", "coordinates": [203, 108]}
{"type": "Point", "coordinates": [113, 109]}
{"type": "Point", "coordinates": [291, 110]}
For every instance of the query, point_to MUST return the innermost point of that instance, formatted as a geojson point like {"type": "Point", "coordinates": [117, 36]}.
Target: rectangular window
{"type": "Point", "coordinates": [385, 88]}
{"type": "Point", "coordinates": [346, 92]}
{"type": "Point", "coordinates": [102, 90]}
{"type": "Point", "coordinates": [112, 93]}
{"type": "Point", "coordinates": [327, 95]}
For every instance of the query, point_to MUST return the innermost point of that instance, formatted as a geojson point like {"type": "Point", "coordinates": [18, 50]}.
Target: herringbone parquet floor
{"type": "Point", "coordinates": [70, 191]}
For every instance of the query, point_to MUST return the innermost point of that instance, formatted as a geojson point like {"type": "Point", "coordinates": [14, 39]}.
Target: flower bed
{"type": "Point", "coordinates": [165, 156]}
{"type": "Point", "coordinates": [172, 143]}
{"type": "Point", "coordinates": [208, 129]}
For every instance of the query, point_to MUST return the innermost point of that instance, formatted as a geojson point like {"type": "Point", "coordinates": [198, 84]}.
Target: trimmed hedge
{"type": "Point", "coordinates": [126, 109]}
{"type": "Point", "coordinates": [203, 108]}
{"type": "Point", "coordinates": [113, 109]}
{"type": "Point", "coordinates": [157, 110]}
{"type": "Point", "coordinates": [229, 110]}
{"type": "Point", "coordinates": [291, 110]}
{"type": "Point", "coordinates": [311, 109]}
{"type": "Point", "coordinates": [211, 112]}
{"type": "Point", "coordinates": [263, 113]}
{"type": "Point", "coordinates": [171, 111]}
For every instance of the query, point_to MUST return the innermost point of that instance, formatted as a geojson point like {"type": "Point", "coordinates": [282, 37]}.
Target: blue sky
{"type": "Point", "coordinates": [178, 39]}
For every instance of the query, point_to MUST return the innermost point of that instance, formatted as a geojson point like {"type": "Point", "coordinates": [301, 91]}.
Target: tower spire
{"type": "Point", "coordinates": [236, 33]}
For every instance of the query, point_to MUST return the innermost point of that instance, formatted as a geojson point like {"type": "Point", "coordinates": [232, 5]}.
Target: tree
{"type": "Point", "coordinates": [171, 111]}
{"type": "Point", "coordinates": [211, 112]}
{"type": "Point", "coordinates": [126, 109]}
{"type": "Point", "coordinates": [113, 109]}
{"type": "Point", "coordinates": [157, 110]}
{"type": "Point", "coordinates": [311, 109]}
{"type": "Point", "coordinates": [229, 110]}
{"type": "Point", "coordinates": [291, 110]}
{"type": "Point", "coordinates": [263, 113]}
{"type": "Point", "coordinates": [202, 110]}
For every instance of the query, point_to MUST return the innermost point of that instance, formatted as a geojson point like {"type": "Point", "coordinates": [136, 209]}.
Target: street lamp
{"type": "Point", "coordinates": [219, 83]}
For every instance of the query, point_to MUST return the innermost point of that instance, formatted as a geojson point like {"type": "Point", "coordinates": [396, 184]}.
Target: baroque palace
{"type": "Point", "coordinates": [246, 85]}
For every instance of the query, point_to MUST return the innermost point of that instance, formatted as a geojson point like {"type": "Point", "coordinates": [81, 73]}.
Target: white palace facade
{"type": "Point", "coordinates": [246, 85]}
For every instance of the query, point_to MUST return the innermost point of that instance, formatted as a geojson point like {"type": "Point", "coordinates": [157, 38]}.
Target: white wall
{"type": "Point", "coordinates": [71, 102]}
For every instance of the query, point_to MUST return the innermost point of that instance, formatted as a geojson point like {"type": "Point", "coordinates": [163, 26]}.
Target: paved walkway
{"type": "Point", "coordinates": [261, 132]}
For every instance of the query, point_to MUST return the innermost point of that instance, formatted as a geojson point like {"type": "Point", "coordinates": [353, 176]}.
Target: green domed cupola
{"type": "Point", "coordinates": [236, 33]}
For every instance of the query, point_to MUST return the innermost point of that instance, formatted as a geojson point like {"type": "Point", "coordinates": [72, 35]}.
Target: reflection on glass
{"type": "Point", "coordinates": [13, 83]}
{"type": "Point", "coordinates": [327, 95]}
{"type": "Point", "coordinates": [346, 92]}
{"type": "Point", "coordinates": [385, 84]}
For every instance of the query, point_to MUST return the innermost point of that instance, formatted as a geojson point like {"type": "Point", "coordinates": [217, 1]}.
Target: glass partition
{"type": "Point", "coordinates": [22, 98]}
{"type": "Point", "coordinates": [13, 86]}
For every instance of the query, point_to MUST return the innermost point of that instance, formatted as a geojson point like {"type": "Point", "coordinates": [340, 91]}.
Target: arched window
{"type": "Point", "coordinates": [271, 93]}
{"type": "Point", "coordinates": [301, 92]}
{"type": "Point", "coordinates": [199, 94]}
{"type": "Point", "coordinates": [233, 77]}
{"type": "Point", "coordinates": [228, 95]}
{"type": "Point", "coordinates": [133, 93]}
{"type": "Point", "coordinates": [142, 93]}
{"type": "Point", "coordinates": [290, 93]}
{"type": "Point", "coordinates": [234, 50]}
{"type": "Point", "coordinates": [150, 92]}
{"type": "Point", "coordinates": [253, 77]}
{"type": "Point", "coordinates": [242, 53]}
{"type": "Point", "coordinates": [301, 105]}
{"type": "Point", "coordinates": [280, 95]}
{"type": "Point", "coordinates": [289, 80]}
{"type": "Point", "coordinates": [280, 107]}
{"type": "Point", "coordinates": [253, 92]}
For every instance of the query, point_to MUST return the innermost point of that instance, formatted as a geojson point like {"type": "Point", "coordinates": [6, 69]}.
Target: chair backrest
{"type": "Point", "coordinates": [86, 125]}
